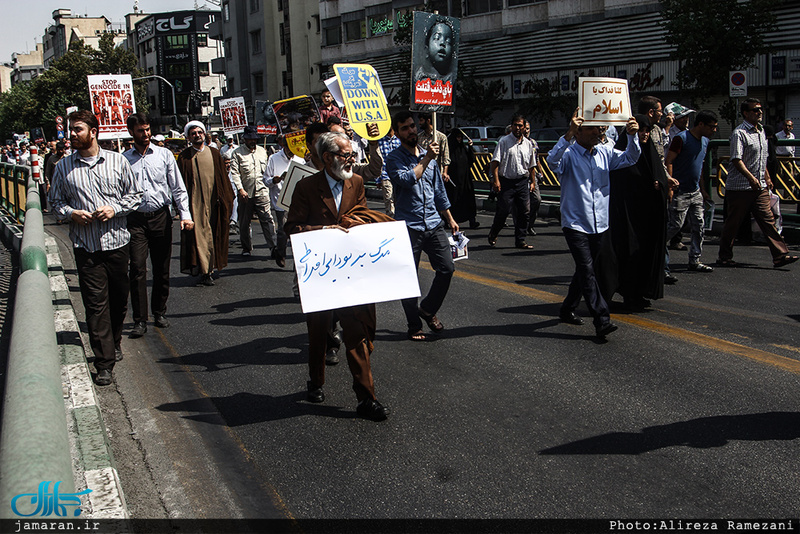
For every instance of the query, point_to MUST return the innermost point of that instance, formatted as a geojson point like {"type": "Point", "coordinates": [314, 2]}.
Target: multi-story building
{"type": "Point", "coordinates": [26, 66]}
{"type": "Point", "coordinates": [5, 77]}
{"type": "Point", "coordinates": [271, 49]}
{"type": "Point", "coordinates": [176, 46]}
{"type": "Point", "coordinates": [520, 42]}
{"type": "Point", "coordinates": [67, 28]}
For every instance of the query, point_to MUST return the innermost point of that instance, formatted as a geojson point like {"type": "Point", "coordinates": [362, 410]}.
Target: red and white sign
{"type": "Point", "coordinates": [738, 83]}
{"type": "Point", "coordinates": [234, 116]}
{"type": "Point", "coordinates": [112, 102]}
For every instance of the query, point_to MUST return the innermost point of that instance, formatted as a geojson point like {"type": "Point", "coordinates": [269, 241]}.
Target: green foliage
{"type": "Point", "coordinates": [64, 84]}
{"type": "Point", "coordinates": [477, 100]}
{"type": "Point", "coordinates": [713, 38]}
{"type": "Point", "coordinates": [545, 103]}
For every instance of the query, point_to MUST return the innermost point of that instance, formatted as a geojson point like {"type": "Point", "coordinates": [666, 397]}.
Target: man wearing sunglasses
{"type": "Point", "coordinates": [747, 188]}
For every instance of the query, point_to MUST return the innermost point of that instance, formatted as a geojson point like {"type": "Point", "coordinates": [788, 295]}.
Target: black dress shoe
{"type": "Point", "coordinates": [604, 330]}
{"type": "Point", "coordinates": [118, 354]}
{"type": "Point", "coordinates": [160, 320]}
{"type": "Point", "coordinates": [281, 261]}
{"type": "Point", "coordinates": [570, 318]}
{"type": "Point", "coordinates": [103, 377]}
{"type": "Point", "coordinates": [331, 358]}
{"type": "Point", "coordinates": [670, 280]}
{"type": "Point", "coordinates": [139, 329]}
{"type": "Point", "coordinates": [315, 393]}
{"type": "Point", "coordinates": [372, 410]}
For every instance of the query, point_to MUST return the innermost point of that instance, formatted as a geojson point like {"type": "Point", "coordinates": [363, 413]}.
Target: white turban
{"type": "Point", "coordinates": [193, 124]}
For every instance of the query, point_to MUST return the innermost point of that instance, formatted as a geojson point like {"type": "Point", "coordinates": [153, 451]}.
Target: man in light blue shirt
{"type": "Point", "coordinates": [151, 225]}
{"type": "Point", "coordinates": [583, 168]}
{"type": "Point", "coordinates": [421, 201]}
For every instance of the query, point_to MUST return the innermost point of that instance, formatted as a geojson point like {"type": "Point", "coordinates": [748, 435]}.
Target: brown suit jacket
{"type": "Point", "coordinates": [313, 206]}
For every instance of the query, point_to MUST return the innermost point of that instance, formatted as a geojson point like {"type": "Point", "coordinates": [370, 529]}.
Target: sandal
{"type": "Point", "coordinates": [785, 260]}
{"type": "Point", "coordinates": [417, 335]}
{"type": "Point", "coordinates": [492, 240]}
{"type": "Point", "coordinates": [433, 322]}
{"type": "Point", "coordinates": [726, 263]}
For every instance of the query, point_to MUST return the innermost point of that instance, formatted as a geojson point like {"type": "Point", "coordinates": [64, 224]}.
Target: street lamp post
{"type": "Point", "coordinates": [174, 106]}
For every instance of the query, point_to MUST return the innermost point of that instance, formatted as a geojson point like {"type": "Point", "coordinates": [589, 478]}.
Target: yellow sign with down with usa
{"type": "Point", "coordinates": [364, 99]}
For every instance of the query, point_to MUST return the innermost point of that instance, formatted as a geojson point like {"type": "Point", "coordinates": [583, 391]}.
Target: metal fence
{"type": "Point", "coordinates": [13, 190]}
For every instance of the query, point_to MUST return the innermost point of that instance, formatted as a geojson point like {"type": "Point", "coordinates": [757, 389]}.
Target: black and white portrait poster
{"type": "Point", "coordinates": [434, 62]}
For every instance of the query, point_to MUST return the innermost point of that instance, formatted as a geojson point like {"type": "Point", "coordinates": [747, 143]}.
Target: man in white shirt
{"type": "Point", "coordinates": [226, 150]}
{"type": "Point", "coordinates": [786, 133]}
{"type": "Point", "coordinates": [274, 174]}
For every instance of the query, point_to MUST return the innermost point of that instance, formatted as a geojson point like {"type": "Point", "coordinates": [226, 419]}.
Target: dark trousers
{"type": "Point", "coordinates": [103, 279]}
{"type": "Point", "coordinates": [434, 243]}
{"type": "Point", "coordinates": [584, 249]}
{"type": "Point", "coordinates": [739, 205]}
{"type": "Point", "coordinates": [150, 233]}
{"type": "Point", "coordinates": [358, 332]}
{"type": "Point", "coordinates": [43, 196]}
{"type": "Point", "coordinates": [536, 202]}
{"type": "Point", "coordinates": [282, 238]}
{"type": "Point", "coordinates": [516, 194]}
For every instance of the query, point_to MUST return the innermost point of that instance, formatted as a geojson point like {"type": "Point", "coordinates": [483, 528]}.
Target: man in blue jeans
{"type": "Point", "coordinates": [684, 162]}
{"type": "Point", "coordinates": [583, 168]}
{"type": "Point", "coordinates": [421, 201]}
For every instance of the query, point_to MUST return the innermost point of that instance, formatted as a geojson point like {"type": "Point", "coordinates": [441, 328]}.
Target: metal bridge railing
{"type": "Point", "coordinates": [13, 191]}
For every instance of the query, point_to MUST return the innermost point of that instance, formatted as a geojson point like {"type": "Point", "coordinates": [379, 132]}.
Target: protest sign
{"type": "Point", "coordinates": [364, 99]}
{"type": "Point", "coordinates": [294, 173]}
{"type": "Point", "coordinates": [434, 62]}
{"type": "Point", "coordinates": [266, 123]}
{"type": "Point", "coordinates": [337, 269]}
{"type": "Point", "coordinates": [112, 101]}
{"type": "Point", "coordinates": [234, 116]}
{"type": "Point", "coordinates": [293, 115]}
{"type": "Point", "coordinates": [604, 101]}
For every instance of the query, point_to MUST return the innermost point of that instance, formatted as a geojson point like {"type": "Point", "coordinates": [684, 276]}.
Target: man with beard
{"type": "Point", "coordinates": [95, 189]}
{"type": "Point", "coordinates": [248, 163]}
{"type": "Point", "coordinates": [421, 201]}
{"type": "Point", "coordinates": [204, 248]}
{"type": "Point", "coordinates": [151, 225]}
{"type": "Point", "coordinates": [583, 168]}
{"type": "Point", "coordinates": [319, 201]}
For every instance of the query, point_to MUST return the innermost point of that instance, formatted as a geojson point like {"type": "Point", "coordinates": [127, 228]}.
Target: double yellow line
{"type": "Point", "coordinates": [721, 345]}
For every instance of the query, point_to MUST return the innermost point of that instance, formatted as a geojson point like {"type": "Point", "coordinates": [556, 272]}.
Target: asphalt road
{"type": "Point", "coordinates": [689, 410]}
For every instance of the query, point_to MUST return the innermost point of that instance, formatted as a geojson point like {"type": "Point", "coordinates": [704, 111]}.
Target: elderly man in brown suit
{"type": "Point", "coordinates": [204, 249]}
{"type": "Point", "coordinates": [320, 201]}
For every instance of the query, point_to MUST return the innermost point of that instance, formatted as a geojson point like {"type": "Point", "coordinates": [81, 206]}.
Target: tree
{"type": "Point", "coordinates": [477, 100]}
{"type": "Point", "coordinates": [40, 101]}
{"type": "Point", "coordinates": [713, 38]}
{"type": "Point", "coordinates": [544, 102]}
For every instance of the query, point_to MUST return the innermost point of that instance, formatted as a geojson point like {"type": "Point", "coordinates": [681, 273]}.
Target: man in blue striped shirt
{"type": "Point", "coordinates": [94, 189]}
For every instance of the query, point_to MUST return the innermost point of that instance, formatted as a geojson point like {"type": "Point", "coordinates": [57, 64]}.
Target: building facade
{"type": "Point", "coordinates": [176, 46]}
{"type": "Point", "coordinates": [67, 28]}
{"type": "Point", "coordinates": [27, 66]}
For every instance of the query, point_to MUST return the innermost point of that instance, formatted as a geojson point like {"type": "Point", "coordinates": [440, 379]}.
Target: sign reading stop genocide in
{"type": "Point", "coordinates": [112, 102]}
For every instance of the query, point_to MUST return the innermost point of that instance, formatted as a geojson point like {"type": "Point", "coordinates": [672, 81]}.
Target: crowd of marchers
{"type": "Point", "coordinates": [625, 195]}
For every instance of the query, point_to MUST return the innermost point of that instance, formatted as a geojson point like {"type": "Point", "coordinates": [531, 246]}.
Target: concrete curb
{"type": "Point", "coordinates": [93, 461]}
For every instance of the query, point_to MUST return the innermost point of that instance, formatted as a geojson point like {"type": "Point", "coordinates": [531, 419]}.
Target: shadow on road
{"type": "Point", "coordinates": [288, 350]}
{"type": "Point", "coordinates": [250, 408]}
{"type": "Point", "coordinates": [702, 433]}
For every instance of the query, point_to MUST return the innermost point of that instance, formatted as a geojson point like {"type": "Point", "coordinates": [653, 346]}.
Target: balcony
{"type": "Point", "coordinates": [215, 29]}
{"type": "Point", "coordinates": [218, 65]}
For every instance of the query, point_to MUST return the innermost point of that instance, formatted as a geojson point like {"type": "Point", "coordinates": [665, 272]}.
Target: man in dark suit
{"type": "Point", "coordinates": [319, 202]}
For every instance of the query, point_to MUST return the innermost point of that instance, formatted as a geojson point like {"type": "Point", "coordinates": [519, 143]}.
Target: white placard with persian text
{"type": "Point", "coordinates": [336, 269]}
{"type": "Point", "coordinates": [604, 101]}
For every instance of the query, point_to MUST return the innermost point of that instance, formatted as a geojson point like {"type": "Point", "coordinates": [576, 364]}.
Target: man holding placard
{"type": "Point", "coordinates": [320, 201]}
{"type": "Point", "coordinates": [583, 168]}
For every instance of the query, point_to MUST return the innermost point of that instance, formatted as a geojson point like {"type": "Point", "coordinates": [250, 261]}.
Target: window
{"type": "Point", "coordinates": [228, 45]}
{"type": "Point", "coordinates": [179, 70]}
{"type": "Point", "coordinates": [177, 41]}
{"type": "Point", "coordinates": [355, 26]}
{"type": "Point", "coordinates": [255, 42]}
{"type": "Point", "coordinates": [282, 39]}
{"type": "Point", "coordinates": [226, 12]}
{"type": "Point", "coordinates": [258, 82]}
{"type": "Point", "coordinates": [229, 85]}
{"type": "Point", "coordinates": [512, 3]}
{"type": "Point", "coordinates": [254, 5]}
{"type": "Point", "coordinates": [331, 31]}
{"type": "Point", "coordinates": [379, 20]}
{"type": "Point", "coordinates": [203, 68]}
{"type": "Point", "coordinates": [280, 5]}
{"type": "Point", "coordinates": [476, 7]}
{"type": "Point", "coordinates": [202, 39]}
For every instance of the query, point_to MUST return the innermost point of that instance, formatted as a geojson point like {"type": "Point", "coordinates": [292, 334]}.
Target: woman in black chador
{"type": "Point", "coordinates": [460, 190]}
{"type": "Point", "coordinates": [638, 223]}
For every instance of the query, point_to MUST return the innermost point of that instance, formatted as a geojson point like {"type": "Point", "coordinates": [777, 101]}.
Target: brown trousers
{"type": "Point", "coordinates": [358, 332]}
{"type": "Point", "coordinates": [741, 204]}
